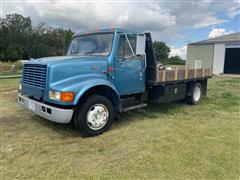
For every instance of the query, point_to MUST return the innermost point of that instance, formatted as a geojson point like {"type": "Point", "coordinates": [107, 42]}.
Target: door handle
{"type": "Point", "coordinates": [109, 75]}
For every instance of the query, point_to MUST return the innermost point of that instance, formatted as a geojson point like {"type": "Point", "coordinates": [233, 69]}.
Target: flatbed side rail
{"type": "Point", "coordinates": [163, 76]}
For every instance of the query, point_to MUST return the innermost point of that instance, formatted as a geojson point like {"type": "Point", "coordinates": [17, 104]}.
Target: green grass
{"type": "Point", "coordinates": [9, 63]}
{"type": "Point", "coordinates": [167, 141]}
{"type": "Point", "coordinates": [9, 72]}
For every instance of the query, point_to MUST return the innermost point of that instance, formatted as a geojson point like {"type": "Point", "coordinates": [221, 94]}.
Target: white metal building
{"type": "Point", "coordinates": [220, 53]}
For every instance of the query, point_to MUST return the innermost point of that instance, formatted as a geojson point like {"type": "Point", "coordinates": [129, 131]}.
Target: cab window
{"type": "Point", "coordinates": [124, 50]}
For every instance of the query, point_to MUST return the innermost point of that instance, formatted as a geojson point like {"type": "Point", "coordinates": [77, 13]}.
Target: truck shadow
{"type": "Point", "coordinates": [150, 112]}
{"type": "Point", "coordinates": [66, 130]}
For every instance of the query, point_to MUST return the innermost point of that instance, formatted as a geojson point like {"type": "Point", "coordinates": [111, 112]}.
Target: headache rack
{"type": "Point", "coordinates": [34, 75]}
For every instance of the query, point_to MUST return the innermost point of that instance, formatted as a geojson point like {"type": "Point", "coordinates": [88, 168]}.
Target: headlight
{"type": "Point", "coordinates": [61, 96]}
{"type": "Point", "coordinates": [54, 95]}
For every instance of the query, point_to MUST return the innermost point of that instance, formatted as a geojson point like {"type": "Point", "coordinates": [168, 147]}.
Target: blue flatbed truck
{"type": "Point", "coordinates": [104, 73]}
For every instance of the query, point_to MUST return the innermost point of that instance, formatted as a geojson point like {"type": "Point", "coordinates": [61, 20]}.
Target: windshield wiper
{"type": "Point", "coordinates": [74, 53]}
{"type": "Point", "coordinates": [89, 52]}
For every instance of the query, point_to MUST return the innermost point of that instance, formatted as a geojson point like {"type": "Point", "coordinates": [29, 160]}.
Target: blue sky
{"type": "Point", "coordinates": [198, 34]}
{"type": "Point", "coordinates": [176, 22]}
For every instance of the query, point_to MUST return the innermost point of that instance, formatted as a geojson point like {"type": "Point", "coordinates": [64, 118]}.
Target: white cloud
{"type": "Point", "coordinates": [209, 21]}
{"type": "Point", "coordinates": [83, 15]}
{"type": "Point", "coordinates": [218, 32]}
{"type": "Point", "coordinates": [178, 52]}
{"type": "Point", "coordinates": [233, 11]}
{"type": "Point", "coordinates": [166, 21]}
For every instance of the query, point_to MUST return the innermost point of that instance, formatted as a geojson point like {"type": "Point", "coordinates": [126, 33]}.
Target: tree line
{"type": "Point", "coordinates": [162, 51]}
{"type": "Point", "coordinates": [20, 40]}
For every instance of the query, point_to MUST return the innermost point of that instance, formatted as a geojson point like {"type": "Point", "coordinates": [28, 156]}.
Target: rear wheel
{"type": "Point", "coordinates": [196, 94]}
{"type": "Point", "coordinates": [94, 116]}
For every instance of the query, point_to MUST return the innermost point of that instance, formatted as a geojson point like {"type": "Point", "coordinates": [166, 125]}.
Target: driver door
{"type": "Point", "coordinates": [129, 68]}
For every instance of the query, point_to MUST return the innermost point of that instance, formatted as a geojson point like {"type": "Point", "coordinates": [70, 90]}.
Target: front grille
{"type": "Point", "coordinates": [34, 75]}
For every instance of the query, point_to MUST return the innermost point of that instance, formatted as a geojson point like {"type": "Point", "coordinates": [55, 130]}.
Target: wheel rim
{"type": "Point", "coordinates": [97, 116]}
{"type": "Point", "coordinates": [197, 93]}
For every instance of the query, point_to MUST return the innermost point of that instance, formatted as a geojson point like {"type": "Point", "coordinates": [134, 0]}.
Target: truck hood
{"type": "Point", "coordinates": [65, 68]}
{"type": "Point", "coordinates": [56, 59]}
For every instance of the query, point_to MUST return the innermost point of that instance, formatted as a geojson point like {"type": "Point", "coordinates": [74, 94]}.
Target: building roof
{"type": "Point", "coordinates": [230, 38]}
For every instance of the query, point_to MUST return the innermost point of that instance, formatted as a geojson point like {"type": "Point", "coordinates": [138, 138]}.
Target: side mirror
{"type": "Point", "coordinates": [140, 46]}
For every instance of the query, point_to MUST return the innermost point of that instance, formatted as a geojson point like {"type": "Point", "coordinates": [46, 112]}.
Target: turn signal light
{"type": "Point", "coordinates": [67, 96]}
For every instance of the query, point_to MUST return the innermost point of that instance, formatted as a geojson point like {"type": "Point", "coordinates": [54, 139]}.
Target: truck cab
{"type": "Point", "coordinates": [105, 72]}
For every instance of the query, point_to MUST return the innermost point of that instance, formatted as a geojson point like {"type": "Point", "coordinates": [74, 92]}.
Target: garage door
{"type": "Point", "coordinates": [232, 61]}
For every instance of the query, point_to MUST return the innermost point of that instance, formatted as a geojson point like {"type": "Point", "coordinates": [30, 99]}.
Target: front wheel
{"type": "Point", "coordinates": [196, 94]}
{"type": "Point", "coordinates": [94, 116]}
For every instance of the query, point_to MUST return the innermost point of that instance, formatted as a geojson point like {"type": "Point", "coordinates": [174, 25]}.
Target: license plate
{"type": "Point", "coordinates": [31, 105]}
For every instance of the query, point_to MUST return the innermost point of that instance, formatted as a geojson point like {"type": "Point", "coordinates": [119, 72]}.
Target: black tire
{"type": "Point", "coordinates": [194, 98]}
{"type": "Point", "coordinates": [80, 115]}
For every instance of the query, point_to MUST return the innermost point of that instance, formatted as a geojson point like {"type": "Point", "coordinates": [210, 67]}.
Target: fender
{"type": "Point", "coordinates": [80, 84]}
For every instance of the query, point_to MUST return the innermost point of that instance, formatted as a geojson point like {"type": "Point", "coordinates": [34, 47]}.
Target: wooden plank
{"type": "Point", "coordinates": [10, 77]}
{"type": "Point", "coordinates": [186, 72]}
{"type": "Point", "coordinates": [203, 71]}
{"type": "Point", "coordinates": [163, 75]}
{"type": "Point", "coordinates": [175, 74]}
{"type": "Point", "coordinates": [181, 74]}
{"type": "Point", "coordinates": [159, 75]}
{"type": "Point", "coordinates": [199, 73]}
{"type": "Point", "coordinates": [207, 72]}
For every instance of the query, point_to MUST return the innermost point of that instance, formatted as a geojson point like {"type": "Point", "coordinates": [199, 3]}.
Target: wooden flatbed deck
{"type": "Point", "coordinates": [176, 75]}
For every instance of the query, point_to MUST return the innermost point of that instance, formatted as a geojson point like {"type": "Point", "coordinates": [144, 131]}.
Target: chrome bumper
{"type": "Point", "coordinates": [48, 112]}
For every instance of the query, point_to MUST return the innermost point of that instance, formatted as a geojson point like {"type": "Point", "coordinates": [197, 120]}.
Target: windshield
{"type": "Point", "coordinates": [92, 44]}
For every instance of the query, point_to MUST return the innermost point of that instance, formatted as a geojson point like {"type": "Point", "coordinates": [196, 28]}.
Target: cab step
{"type": "Point", "coordinates": [129, 101]}
{"type": "Point", "coordinates": [134, 107]}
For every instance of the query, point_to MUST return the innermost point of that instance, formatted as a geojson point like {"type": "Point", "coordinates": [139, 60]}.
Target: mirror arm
{"type": "Point", "coordinates": [129, 44]}
{"type": "Point", "coordinates": [145, 62]}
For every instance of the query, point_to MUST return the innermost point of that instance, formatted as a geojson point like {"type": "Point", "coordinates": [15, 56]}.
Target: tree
{"type": "Point", "coordinates": [16, 22]}
{"type": "Point", "coordinates": [176, 60]}
{"type": "Point", "coordinates": [161, 51]}
{"type": "Point", "coordinates": [19, 40]}
{"type": "Point", "coordinates": [13, 33]}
